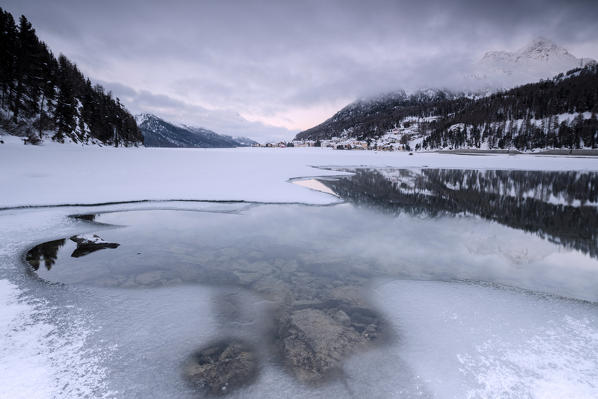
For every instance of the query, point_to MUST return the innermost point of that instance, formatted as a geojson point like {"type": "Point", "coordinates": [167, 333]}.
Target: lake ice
{"type": "Point", "coordinates": [469, 306]}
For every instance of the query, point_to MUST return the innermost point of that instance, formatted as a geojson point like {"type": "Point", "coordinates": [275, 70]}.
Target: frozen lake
{"type": "Point", "coordinates": [430, 283]}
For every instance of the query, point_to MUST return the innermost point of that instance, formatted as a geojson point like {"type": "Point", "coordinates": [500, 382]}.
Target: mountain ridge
{"type": "Point", "coordinates": [158, 132]}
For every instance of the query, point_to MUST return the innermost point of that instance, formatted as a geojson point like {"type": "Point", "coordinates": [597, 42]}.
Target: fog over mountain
{"type": "Point", "coordinates": [559, 113]}
{"type": "Point", "coordinates": [539, 59]}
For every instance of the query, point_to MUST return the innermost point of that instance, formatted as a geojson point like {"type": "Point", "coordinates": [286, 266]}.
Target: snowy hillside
{"type": "Point", "coordinates": [245, 141]}
{"type": "Point", "coordinates": [556, 113]}
{"type": "Point", "coordinates": [159, 133]}
{"type": "Point", "coordinates": [373, 117]}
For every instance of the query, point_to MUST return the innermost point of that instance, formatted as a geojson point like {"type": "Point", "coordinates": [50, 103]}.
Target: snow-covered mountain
{"type": "Point", "coordinates": [540, 59]}
{"type": "Point", "coordinates": [160, 133]}
{"type": "Point", "coordinates": [555, 113]}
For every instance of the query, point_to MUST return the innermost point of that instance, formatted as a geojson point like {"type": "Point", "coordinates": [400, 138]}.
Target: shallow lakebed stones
{"type": "Point", "coordinates": [317, 314]}
{"type": "Point", "coordinates": [222, 367]}
{"type": "Point", "coordinates": [314, 340]}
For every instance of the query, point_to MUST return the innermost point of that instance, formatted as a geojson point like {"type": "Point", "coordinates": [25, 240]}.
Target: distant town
{"type": "Point", "coordinates": [406, 136]}
{"type": "Point", "coordinates": [340, 144]}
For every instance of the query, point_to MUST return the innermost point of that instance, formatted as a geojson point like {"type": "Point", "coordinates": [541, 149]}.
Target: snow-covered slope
{"type": "Point", "coordinates": [540, 59]}
{"type": "Point", "coordinates": [245, 141]}
{"type": "Point", "coordinates": [159, 133]}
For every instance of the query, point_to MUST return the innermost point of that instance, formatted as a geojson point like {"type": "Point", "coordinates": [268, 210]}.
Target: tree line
{"type": "Point", "coordinates": [44, 95]}
{"type": "Point", "coordinates": [526, 117]}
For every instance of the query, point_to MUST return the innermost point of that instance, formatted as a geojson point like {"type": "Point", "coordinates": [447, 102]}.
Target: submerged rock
{"type": "Point", "coordinates": [222, 367]}
{"type": "Point", "coordinates": [314, 340]}
{"type": "Point", "coordinates": [88, 243]}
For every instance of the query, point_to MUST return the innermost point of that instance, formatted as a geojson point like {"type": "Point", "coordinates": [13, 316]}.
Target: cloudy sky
{"type": "Point", "coordinates": [267, 69]}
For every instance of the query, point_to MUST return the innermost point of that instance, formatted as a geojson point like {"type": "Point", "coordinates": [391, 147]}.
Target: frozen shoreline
{"type": "Point", "coordinates": [53, 174]}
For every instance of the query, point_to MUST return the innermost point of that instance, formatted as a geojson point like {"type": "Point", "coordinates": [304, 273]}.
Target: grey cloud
{"type": "Point", "coordinates": [269, 60]}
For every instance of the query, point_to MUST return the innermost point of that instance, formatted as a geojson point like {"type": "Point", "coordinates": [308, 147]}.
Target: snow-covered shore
{"type": "Point", "coordinates": [53, 174]}
{"type": "Point", "coordinates": [43, 352]}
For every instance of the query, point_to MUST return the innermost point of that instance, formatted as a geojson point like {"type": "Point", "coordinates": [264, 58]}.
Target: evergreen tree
{"type": "Point", "coordinates": [8, 52]}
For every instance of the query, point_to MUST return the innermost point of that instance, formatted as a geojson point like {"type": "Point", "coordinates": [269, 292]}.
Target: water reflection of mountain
{"type": "Point", "coordinates": [559, 206]}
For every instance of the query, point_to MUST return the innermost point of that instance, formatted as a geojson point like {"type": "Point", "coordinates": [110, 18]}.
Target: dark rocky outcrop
{"type": "Point", "coordinates": [87, 244]}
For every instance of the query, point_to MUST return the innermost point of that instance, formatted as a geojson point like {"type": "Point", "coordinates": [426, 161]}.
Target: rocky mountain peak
{"type": "Point", "coordinates": [542, 49]}
{"type": "Point", "coordinates": [539, 59]}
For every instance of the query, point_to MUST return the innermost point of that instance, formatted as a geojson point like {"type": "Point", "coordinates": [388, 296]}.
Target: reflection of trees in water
{"type": "Point", "coordinates": [46, 252]}
{"type": "Point", "coordinates": [90, 217]}
{"type": "Point", "coordinates": [553, 205]}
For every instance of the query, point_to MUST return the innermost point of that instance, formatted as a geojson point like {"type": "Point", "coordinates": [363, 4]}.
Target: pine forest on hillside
{"type": "Point", "coordinates": [44, 95]}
